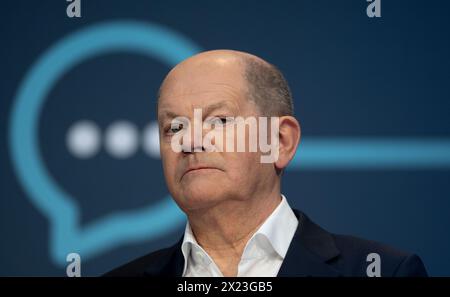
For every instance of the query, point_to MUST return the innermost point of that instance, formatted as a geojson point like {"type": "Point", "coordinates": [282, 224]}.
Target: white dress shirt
{"type": "Point", "coordinates": [263, 254]}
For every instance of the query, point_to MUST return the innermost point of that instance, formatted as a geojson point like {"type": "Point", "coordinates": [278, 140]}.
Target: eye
{"type": "Point", "coordinates": [220, 121]}
{"type": "Point", "coordinates": [175, 127]}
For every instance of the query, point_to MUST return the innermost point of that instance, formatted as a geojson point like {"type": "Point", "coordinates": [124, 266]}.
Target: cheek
{"type": "Point", "coordinates": [169, 167]}
{"type": "Point", "coordinates": [241, 167]}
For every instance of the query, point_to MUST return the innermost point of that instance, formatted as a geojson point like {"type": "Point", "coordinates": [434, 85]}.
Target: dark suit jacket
{"type": "Point", "coordinates": [312, 252]}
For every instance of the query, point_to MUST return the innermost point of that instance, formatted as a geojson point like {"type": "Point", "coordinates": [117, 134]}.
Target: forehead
{"type": "Point", "coordinates": [202, 86]}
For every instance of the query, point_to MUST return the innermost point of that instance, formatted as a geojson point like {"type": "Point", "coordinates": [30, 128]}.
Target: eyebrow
{"type": "Point", "coordinates": [205, 111]}
{"type": "Point", "coordinates": [167, 114]}
{"type": "Point", "coordinates": [210, 108]}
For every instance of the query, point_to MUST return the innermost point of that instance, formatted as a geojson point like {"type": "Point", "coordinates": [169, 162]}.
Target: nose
{"type": "Point", "coordinates": [193, 143]}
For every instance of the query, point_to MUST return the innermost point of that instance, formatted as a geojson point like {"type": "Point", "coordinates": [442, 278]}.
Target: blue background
{"type": "Point", "coordinates": [351, 76]}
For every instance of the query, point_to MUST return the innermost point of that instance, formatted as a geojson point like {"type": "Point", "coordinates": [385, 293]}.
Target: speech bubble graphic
{"type": "Point", "coordinates": [58, 206]}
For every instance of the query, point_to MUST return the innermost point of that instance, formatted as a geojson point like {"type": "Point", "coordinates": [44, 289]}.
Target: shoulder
{"type": "Point", "coordinates": [356, 254]}
{"type": "Point", "coordinates": [353, 256]}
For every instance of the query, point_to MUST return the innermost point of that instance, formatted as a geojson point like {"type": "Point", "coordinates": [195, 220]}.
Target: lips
{"type": "Point", "coordinates": [197, 168]}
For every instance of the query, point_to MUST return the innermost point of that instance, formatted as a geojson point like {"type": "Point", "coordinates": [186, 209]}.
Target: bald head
{"type": "Point", "coordinates": [260, 81]}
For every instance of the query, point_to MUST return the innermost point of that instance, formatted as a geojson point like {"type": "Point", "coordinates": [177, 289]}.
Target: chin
{"type": "Point", "coordinates": [196, 197]}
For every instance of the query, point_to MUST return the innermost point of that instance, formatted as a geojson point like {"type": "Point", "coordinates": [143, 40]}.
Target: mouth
{"type": "Point", "coordinates": [201, 169]}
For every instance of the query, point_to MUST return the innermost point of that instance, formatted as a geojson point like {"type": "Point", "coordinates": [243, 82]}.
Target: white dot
{"type": "Point", "coordinates": [83, 139]}
{"type": "Point", "coordinates": [150, 140]}
{"type": "Point", "coordinates": [121, 139]}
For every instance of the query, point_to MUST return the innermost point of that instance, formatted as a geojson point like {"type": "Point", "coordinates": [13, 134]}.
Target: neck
{"type": "Point", "coordinates": [224, 230]}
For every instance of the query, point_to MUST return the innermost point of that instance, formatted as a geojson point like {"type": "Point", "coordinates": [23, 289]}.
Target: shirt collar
{"type": "Point", "coordinates": [192, 250]}
{"type": "Point", "coordinates": [276, 232]}
{"type": "Point", "coordinates": [274, 235]}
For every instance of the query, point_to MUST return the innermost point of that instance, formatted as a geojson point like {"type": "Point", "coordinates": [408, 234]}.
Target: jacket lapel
{"type": "Point", "coordinates": [171, 264]}
{"type": "Point", "coordinates": [310, 250]}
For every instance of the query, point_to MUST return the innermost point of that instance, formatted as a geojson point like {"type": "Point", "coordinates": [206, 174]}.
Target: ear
{"type": "Point", "coordinates": [289, 139]}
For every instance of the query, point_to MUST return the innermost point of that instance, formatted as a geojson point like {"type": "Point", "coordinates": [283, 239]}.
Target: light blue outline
{"type": "Point", "coordinates": [318, 153]}
{"type": "Point", "coordinates": [57, 205]}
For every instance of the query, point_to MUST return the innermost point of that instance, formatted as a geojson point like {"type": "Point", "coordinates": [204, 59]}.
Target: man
{"type": "Point", "coordinates": [239, 223]}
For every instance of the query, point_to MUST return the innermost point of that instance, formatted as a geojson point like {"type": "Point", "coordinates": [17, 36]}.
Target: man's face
{"type": "Point", "coordinates": [199, 180]}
